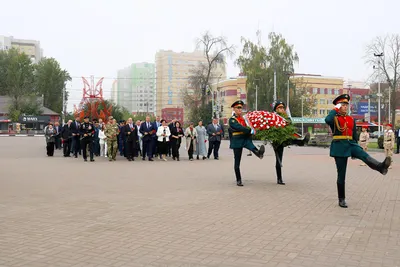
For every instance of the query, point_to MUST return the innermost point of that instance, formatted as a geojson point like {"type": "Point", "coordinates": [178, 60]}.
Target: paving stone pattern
{"type": "Point", "coordinates": [66, 212]}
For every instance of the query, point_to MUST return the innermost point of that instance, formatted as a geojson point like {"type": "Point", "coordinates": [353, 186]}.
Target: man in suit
{"type": "Point", "coordinates": [147, 129]}
{"type": "Point", "coordinates": [344, 145]}
{"type": "Point", "coordinates": [131, 137]}
{"type": "Point", "coordinates": [171, 127]}
{"type": "Point", "coordinates": [215, 133]}
{"type": "Point", "coordinates": [76, 143]}
{"type": "Point", "coordinates": [121, 138]}
{"type": "Point", "coordinates": [66, 135]}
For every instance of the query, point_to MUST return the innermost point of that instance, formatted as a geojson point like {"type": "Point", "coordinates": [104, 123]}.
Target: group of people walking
{"type": "Point", "coordinates": [145, 139]}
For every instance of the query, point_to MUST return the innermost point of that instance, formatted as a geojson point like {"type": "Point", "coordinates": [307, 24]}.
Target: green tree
{"type": "Point", "coordinates": [50, 82]}
{"type": "Point", "coordinates": [16, 73]}
{"type": "Point", "coordinates": [259, 63]}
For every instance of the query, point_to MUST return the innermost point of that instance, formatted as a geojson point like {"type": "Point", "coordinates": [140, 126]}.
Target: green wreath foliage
{"type": "Point", "coordinates": [278, 136]}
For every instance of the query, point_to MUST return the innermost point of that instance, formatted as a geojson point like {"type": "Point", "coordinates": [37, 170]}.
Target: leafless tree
{"type": "Point", "coordinates": [215, 50]}
{"type": "Point", "coordinates": [388, 68]}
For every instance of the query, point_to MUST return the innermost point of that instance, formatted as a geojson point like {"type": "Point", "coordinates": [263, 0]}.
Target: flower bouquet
{"type": "Point", "coordinates": [271, 127]}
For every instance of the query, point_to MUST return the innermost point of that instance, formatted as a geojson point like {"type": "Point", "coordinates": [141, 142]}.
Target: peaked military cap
{"type": "Point", "coordinates": [237, 103]}
{"type": "Point", "coordinates": [86, 117]}
{"type": "Point", "coordinates": [279, 103]}
{"type": "Point", "coordinates": [345, 98]}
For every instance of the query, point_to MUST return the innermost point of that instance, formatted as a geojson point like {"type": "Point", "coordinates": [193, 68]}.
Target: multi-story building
{"type": "Point", "coordinates": [324, 88]}
{"type": "Point", "coordinates": [136, 88]}
{"type": "Point", "coordinates": [228, 91]}
{"type": "Point", "coordinates": [114, 92]}
{"type": "Point", "coordinates": [124, 88]}
{"type": "Point", "coordinates": [29, 47]}
{"type": "Point", "coordinates": [143, 87]}
{"type": "Point", "coordinates": [172, 73]}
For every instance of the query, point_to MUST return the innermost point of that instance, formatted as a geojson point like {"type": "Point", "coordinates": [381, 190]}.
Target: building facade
{"type": "Point", "coordinates": [114, 92]}
{"type": "Point", "coordinates": [135, 89]}
{"type": "Point", "coordinates": [172, 77]}
{"type": "Point", "coordinates": [324, 88]}
{"type": "Point", "coordinates": [29, 47]}
{"type": "Point", "coordinates": [227, 92]}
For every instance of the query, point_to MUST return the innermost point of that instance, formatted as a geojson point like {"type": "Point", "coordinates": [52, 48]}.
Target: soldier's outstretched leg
{"type": "Point", "coordinates": [258, 152]}
{"type": "Point", "coordinates": [382, 167]}
{"type": "Point", "coordinates": [341, 166]}
{"type": "Point", "coordinates": [237, 152]}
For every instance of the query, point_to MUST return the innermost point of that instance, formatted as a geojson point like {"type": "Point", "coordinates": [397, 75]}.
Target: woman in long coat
{"type": "Point", "coordinates": [201, 141]}
{"type": "Point", "coordinates": [191, 136]}
{"type": "Point", "coordinates": [50, 133]}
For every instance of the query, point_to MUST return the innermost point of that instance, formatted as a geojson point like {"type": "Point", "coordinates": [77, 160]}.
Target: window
{"type": "Point", "coordinates": [315, 113]}
{"type": "Point", "coordinates": [336, 91]}
{"type": "Point", "coordinates": [322, 112]}
{"type": "Point", "coordinates": [322, 102]}
{"type": "Point", "coordinates": [315, 90]}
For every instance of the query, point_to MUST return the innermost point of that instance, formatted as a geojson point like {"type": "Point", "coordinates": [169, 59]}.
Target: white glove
{"type": "Point", "coordinates": [338, 106]}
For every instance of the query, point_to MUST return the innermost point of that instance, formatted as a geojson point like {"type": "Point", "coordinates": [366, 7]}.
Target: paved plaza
{"type": "Point", "coordinates": [66, 212]}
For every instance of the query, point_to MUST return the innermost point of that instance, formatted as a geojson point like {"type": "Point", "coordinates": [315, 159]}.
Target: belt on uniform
{"type": "Point", "coordinates": [237, 133]}
{"type": "Point", "coordinates": [362, 141]}
{"type": "Point", "coordinates": [342, 137]}
{"type": "Point", "coordinates": [388, 140]}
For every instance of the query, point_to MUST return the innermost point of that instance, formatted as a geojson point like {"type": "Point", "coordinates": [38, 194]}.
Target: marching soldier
{"type": "Point", "coordinates": [364, 140]}
{"type": "Point", "coordinates": [111, 133]}
{"type": "Point", "coordinates": [87, 130]}
{"type": "Point", "coordinates": [279, 108]}
{"type": "Point", "coordinates": [388, 141]}
{"type": "Point", "coordinates": [344, 145]}
{"type": "Point", "coordinates": [240, 137]}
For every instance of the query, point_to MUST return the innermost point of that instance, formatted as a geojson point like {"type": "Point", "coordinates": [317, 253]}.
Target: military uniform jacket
{"type": "Point", "coordinates": [111, 132]}
{"type": "Point", "coordinates": [88, 129]}
{"type": "Point", "coordinates": [344, 134]}
{"type": "Point", "coordinates": [239, 133]}
{"type": "Point", "coordinates": [388, 138]}
{"type": "Point", "coordinates": [364, 138]}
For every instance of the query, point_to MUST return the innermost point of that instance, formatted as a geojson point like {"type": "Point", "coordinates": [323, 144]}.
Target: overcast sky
{"type": "Point", "coordinates": [98, 37]}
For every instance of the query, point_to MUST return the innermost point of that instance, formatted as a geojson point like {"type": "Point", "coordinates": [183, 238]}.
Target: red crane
{"type": "Point", "coordinates": [92, 103]}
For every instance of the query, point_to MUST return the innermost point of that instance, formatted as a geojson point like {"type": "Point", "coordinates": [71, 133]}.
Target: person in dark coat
{"type": "Point", "coordinates": [345, 145]}
{"type": "Point", "coordinates": [66, 136]}
{"type": "Point", "coordinates": [176, 139]}
{"type": "Point", "coordinates": [131, 137]}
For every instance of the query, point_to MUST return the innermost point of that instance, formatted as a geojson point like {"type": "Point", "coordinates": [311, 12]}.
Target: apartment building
{"type": "Point", "coordinates": [172, 77]}
{"type": "Point", "coordinates": [136, 88]}
{"type": "Point", "coordinates": [325, 89]}
{"type": "Point", "coordinates": [29, 47]}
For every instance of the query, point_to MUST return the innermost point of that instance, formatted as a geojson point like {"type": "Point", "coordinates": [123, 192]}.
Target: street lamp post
{"type": "Point", "coordinates": [379, 92]}
{"type": "Point", "coordinates": [302, 117]}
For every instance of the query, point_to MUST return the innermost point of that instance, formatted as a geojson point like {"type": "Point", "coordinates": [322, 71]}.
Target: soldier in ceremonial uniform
{"type": "Point", "coordinates": [240, 137]}
{"type": "Point", "coordinates": [364, 140]}
{"type": "Point", "coordinates": [388, 141]}
{"type": "Point", "coordinates": [87, 131]}
{"type": "Point", "coordinates": [111, 132]}
{"type": "Point", "coordinates": [344, 144]}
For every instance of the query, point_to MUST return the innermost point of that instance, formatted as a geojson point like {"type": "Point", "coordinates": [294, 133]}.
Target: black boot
{"type": "Point", "coordinates": [259, 152]}
{"type": "Point", "coordinates": [279, 175]}
{"type": "Point", "coordinates": [381, 167]}
{"type": "Point", "coordinates": [238, 178]}
{"type": "Point", "coordinates": [341, 195]}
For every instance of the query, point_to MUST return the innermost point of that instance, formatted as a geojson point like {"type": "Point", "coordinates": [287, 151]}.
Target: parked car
{"type": "Point", "coordinates": [375, 134]}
